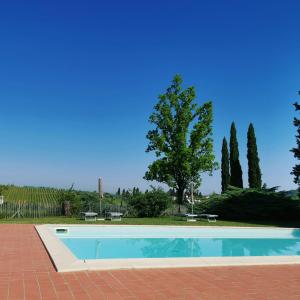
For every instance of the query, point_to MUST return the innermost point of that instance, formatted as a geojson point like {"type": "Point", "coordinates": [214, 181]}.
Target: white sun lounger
{"type": "Point", "coordinates": [209, 217]}
{"type": "Point", "coordinates": [191, 217]}
{"type": "Point", "coordinates": [90, 216]}
{"type": "Point", "coordinates": [114, 216]}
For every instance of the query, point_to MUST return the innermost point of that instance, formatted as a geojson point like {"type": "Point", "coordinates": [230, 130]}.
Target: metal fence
{"type": "Point", "coordinates": [29, 209]}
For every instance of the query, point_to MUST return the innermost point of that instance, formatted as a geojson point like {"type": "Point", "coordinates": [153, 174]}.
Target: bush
{"type": "Point", "coordinates": [150, 204]}
{"type": "Point", "coordinates": [73, 202]}
{"type": "Point", "coordinates": [251, 204]}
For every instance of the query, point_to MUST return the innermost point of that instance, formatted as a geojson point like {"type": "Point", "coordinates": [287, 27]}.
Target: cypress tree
{"type": "Point", "coordinates": [254, 173]}
{"type": "Point", "coordinates": [119, 192]}
{"type": "Point", "coordinates": [225, 166]}
{"type": "Point", "coordinates": [296, 151]}
{"type": "Point", "coordinates": [236, 173]}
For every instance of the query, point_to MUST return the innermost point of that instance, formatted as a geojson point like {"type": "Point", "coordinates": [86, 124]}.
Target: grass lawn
{"type": "Point", "coordinates": [148, 221]}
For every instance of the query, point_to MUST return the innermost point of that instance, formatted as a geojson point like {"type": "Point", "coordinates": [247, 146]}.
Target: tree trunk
{"type": "Point", "coordinates": [180, 198]}
{"type": "Point", "coordinates": [67, 208]}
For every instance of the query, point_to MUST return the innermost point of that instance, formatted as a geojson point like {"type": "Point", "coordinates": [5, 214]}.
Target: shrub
{"type": "Point", "coordinates": [85, 201]}
{"type": "Point", "coordinates": [73, 202]}
{"type": "Point", "coordinates": [150, 204]}
{"type": "Point", "coordinates": [66, 197]}
{"type": "Point", "coordinates": [251, 204]}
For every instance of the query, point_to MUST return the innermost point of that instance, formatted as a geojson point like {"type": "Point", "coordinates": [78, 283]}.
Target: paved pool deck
{"type": "Point", "coordinates": [26, 272]}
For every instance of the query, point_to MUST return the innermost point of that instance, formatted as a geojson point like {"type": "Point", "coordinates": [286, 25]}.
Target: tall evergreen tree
{"type": "Point", "coordinates": [236, 173]}
{"type": "Point", "coordinates": [123, 193]}
{"type": "Point", "coordinates": [225, 166]}
{"type": "Point", "coordinates": [119, 192]}
{"type": "Point", "coordinates": [296, 151]}
{"type": "Point", "coordinates": [254, 173]}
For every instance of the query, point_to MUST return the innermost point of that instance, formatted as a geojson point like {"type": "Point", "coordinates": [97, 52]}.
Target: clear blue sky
{"type": "Point", "coordinates": [78, 80]}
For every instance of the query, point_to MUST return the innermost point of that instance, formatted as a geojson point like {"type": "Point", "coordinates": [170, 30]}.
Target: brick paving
{"type": "Point", "coordinates": [26, 272]}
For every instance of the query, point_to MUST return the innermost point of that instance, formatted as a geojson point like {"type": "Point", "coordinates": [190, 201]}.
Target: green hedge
{"type": "Point", "coordinates": [251, 204]}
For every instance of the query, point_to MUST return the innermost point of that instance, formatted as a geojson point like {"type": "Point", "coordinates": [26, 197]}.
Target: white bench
{"type": "Point", "coordinates": [209, 217]}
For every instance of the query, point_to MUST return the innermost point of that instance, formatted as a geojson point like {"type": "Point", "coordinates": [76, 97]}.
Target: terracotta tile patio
{"type": "Point", "coordinates": [26, 272]}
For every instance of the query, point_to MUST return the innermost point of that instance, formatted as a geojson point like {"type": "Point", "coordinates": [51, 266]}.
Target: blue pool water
{"type": "Point", "coordinates": [105, 242]}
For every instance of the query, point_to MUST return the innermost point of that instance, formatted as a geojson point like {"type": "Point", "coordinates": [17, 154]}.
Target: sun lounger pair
{"type": "Point", "coordinates": [208, 217]}
{"type": "Point", "coordinates": [92, 216]}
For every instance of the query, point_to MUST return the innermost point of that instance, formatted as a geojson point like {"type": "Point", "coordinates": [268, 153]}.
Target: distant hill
{"type": "Point", "coordinates": [13, 193]}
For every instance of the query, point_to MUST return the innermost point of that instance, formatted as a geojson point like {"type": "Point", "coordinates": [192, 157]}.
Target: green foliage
{"type": "Point", "coordinates": [251, 204]}
{"type": "Point", "coordinates": [296, 151]}
{"type": "Point", "coordinates": [2, 189]}
{"type": "Point", "coordinates": [67, 195]}
{"type": "Point", "coordinates": [236, 174]}
{"type": "Point", "coordinates": [182, 139]}
{"type": "Point", "coordinates": [150, 204]}
{"type": "Point", "coordinates": [254, 173]}
{"type": "Point", "coordinates": [225, 175]}
{"type": "Point", "coordinates": [85, 201]}
{"type": "Point", "coordinates": [135, 191]}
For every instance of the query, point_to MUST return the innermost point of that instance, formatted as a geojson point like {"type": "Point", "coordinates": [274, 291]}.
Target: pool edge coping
{"type": "Point", "coordinates": [64, 260]}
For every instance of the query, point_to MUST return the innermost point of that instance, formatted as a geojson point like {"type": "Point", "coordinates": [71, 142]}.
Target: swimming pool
{"type": "Point", "coordinates": [104, 246]}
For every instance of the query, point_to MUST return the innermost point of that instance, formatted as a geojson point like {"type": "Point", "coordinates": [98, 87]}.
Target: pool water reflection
{"type": "Point", "coordinates": [112, 248]}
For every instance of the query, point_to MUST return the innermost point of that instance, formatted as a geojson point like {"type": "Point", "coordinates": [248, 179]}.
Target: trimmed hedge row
{"type": "Point", "coordinates": [251, 204]}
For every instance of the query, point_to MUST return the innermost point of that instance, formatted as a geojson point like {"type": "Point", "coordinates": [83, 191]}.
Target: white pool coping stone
{"type": "Point", "coordinates": [64, 260]}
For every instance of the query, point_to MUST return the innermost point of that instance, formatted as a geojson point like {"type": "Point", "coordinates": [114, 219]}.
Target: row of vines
{"type": "Point", "coordinates": [31, 195]}
{"type": "Point", "coordinates": [33, 202]}
{"type": "Point", "coordinates": [36, 202]}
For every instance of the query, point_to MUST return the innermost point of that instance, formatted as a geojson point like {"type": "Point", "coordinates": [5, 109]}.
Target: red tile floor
{"type": "Point", "coordinates": [26, 272]}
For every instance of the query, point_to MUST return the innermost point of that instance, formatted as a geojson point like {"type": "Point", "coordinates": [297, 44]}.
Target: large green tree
{"type": "Point", "coordinates": [296, 151]}
{"type": "Point", "coordinates": [254, 173]}
{"type": "Point", "coordinates": [236, 173]}
{"type": "Point", "coordinates": [225, 174]}
{"type": "Point", "coordinates": [181, 140]}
